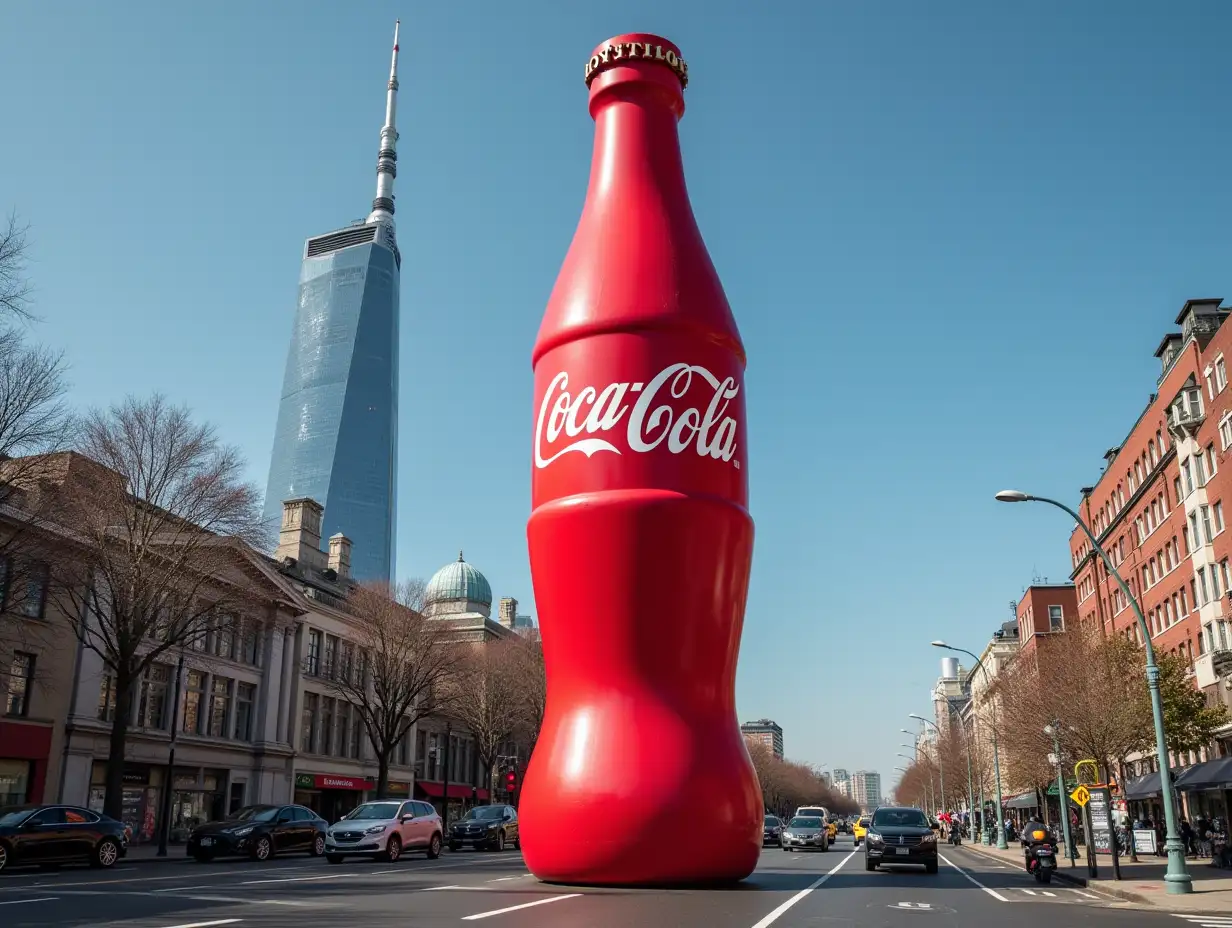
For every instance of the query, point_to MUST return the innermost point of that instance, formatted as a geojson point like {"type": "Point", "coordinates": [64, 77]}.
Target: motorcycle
{"type": "Point", "coordinates": [1041, 857]}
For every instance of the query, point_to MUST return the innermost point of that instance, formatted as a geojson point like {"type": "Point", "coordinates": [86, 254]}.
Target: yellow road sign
{"type": "Point", "coordinates": [1081, 795]}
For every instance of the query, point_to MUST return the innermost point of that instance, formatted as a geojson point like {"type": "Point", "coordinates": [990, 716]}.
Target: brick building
{"type": "Point", "coordinates": [1043, 610]}
{"type": "Point", "coordinates": [1159, 509]}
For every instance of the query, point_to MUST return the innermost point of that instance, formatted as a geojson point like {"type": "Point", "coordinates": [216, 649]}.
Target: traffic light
{"type": "Point", "coordinates": [511, 781]}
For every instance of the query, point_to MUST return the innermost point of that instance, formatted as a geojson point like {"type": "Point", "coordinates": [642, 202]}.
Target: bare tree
{"type": "Point", "coordinates": [529, 656]}
{"type": "Point", "coordinates": [400, 671]}
{"type": "Point", "coordinates": [153, 513]}
{"type": "Point", "coordinates": [786, 785]}
{"type": "Point", "coordinates": [487, 696]}
{"type": "Point", "coordinates": [15, 288]}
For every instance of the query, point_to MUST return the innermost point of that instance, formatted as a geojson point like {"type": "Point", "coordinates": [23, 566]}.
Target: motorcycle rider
{"type": "Point", "coordinates": [1033, 832]}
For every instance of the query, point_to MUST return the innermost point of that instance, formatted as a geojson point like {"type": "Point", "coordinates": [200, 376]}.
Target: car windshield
{"type": "Point", "coordinates": [13, 815]}
{"type": "Point", "coordinates": [805, 821]}
{"type": "Point", "coordinates": [484, 813]}
{"type": "Point", "coordinates": [818, 812]}
{"type": "Point", "coordinates": [772, 821]}
{"type": "Point", "coordinates": [255, 814]}
{"type": "Point", "coordinates": [912, 818]}
{"type": "Point", "coordinates": [375, 810]}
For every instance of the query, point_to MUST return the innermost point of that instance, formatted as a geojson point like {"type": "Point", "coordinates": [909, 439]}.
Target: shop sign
{"type": "Point", "coordinates": [304, 781]}
{"type": "Point", "coordinates": [136, 775]}
{"type": "Point", "coordinates": [332, 781]}
{"type": "Point", "coordinates": [399, 789]}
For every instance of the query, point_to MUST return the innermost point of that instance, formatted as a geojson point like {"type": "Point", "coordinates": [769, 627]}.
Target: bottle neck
{"type": "Point", "coordinates": [637, 146]}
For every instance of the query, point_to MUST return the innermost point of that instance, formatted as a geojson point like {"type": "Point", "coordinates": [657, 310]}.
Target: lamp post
{"type": "Point", "coordinates": [1177, 880]}
{"type": "Point", "coordinates": [940, 762]}
{"type": "Point", "coordinates": [996, 755]}
{"type": "Point", "coordinates": [1070, 850]}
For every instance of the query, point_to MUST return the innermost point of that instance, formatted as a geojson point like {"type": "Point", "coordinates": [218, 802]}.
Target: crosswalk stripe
{"type": "Point", "coordinates": [1046, 893]}
{"type": "Point", "coordinates": [1207, 921]}
{"type": "Point", "coordinates": [1029, 892]}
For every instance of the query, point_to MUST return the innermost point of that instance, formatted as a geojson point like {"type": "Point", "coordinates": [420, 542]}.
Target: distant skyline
{"type": "Point", "coordinates": [952, 237]}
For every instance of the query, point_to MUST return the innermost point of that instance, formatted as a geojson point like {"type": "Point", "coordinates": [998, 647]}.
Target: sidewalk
{"type": "Point", "coordinates": [1141, 882]}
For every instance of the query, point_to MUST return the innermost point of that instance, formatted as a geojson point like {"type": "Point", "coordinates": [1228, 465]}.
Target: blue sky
{"type": "Point", "coordinates": [952, 234]}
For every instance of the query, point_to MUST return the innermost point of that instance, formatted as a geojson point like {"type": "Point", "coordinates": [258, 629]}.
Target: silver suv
{"type": "Point", "coordinates": [384, 829]}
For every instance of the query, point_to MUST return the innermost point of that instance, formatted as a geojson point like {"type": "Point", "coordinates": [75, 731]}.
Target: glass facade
{"type": "Point", "coordinates": [337, 433]}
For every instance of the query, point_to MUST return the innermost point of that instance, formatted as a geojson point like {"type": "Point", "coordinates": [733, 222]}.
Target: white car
{"type": "Point", "coordinates": [385, 829]}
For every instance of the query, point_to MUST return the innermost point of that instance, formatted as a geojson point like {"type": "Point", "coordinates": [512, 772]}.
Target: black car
{"type": "Point", "coordinates": [260, 832]}
{"type": "Point", "coordinates": [771, 830]}
{"type": "Point", "coordinates": [900, 835]}
{"type": "Point", "coordinates": [44, 834]}
{"type": "Point", "coordinates": [492, 827]}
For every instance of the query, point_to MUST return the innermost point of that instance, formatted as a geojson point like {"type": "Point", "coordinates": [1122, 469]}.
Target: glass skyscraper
{"type": "Point", "coordinates": [336, 440]}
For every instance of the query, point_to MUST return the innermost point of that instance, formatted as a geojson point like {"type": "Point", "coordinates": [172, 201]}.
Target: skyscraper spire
{"type": "Point", "coordinates": [387, 158]}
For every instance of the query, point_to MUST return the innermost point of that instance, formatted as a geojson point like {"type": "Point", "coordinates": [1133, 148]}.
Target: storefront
{"type": "Point", "coordinates": [24, 750]}
{"type": "Point", "coordinates": [330, 795]}
{"type": "Point", "coordinates": [197, 796]}
{"type": "Point", "coordinates": [462, 796]}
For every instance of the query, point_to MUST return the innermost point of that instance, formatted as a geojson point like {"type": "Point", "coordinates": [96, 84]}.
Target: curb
{"type": "Point", "coordinates": [169, 859]}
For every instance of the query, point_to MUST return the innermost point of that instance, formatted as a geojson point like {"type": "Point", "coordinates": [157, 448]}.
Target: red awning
{"type": "Point", "coordinates": [436, 790]}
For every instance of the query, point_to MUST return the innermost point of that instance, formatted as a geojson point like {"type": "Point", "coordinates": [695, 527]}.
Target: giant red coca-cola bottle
{"type": "Point", "coordinates": [640, 537]}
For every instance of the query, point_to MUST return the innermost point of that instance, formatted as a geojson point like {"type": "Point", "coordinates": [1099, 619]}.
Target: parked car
{"type": "Point", "coordinates": [55, 834]}
{"type": "Point", "coordinates": [900, 835]}
{"type": "Point", "coordinates": [260, 832]}
{"type": "Point", "coordinates": [384, 829]}
{"type": "Point", "coordinates": [493, 827]}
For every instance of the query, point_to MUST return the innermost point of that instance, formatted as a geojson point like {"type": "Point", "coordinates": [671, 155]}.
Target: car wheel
{"type": "Point", "coordinates": [393, 849]}
{"type": "Point", "coordinates": [334, 858]}
{"type": "Point", "coordinates": [4, 856]}
{"type": "Point", "coordinates": [318, 846]}
{"type": "Point", "coordinates": [870, 864]}
{"type": "Point", "coordinates": [931, 866]}
{"type": "Point", "coordinates": [434, 847]}
{"type": "Point", "coordinates": [499, 843]}
{"type": "Point", "coordinates": [263, 848]}
{"type": "Point", "coordinates": [106, 854]}
{"type": "Point", "coordinates": [517, 842]}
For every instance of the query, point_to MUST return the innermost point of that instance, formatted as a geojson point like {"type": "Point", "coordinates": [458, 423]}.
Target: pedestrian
{"type": "Point", "coordinates": [1160, 834]}
{"type": "Point", "coordinates": [1187, 837]}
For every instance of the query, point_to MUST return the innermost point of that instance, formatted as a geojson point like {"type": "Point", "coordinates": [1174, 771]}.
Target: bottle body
{"type": "Point", "coordinates": [640, 538]}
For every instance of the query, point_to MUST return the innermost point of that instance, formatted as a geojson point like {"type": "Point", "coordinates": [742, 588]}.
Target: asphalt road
{"type": "Point", "coordinates": [796, 890]}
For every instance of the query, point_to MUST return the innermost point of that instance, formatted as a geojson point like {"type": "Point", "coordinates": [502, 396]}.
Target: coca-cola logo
{"type": "Point", "coordinates": [649, 421]}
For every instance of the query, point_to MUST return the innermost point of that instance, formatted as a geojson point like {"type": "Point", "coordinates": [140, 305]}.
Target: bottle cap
{"type": "Point", "coordinates": [638, 57]}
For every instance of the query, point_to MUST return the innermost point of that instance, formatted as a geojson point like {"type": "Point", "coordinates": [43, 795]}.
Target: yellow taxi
{"type": "Point", "coordinates": [860, 828]}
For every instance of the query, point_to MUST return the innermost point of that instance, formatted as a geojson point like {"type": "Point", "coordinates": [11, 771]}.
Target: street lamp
{"type": "Point", "coordinates": [1056, 758]}
{"type": "Point", "coordinates": [928, 794]}
{"type": "Point", "coordinates": [940, 762]}
{"type": "Point", "coordinates": [996, 754]}
{"type": "Point", "coordinates": [1177, 879]}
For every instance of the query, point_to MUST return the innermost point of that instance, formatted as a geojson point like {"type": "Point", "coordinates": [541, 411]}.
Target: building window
{"type": "Point", "coordinates": [35, 600]}
{"type": "Point", "coordinates": [224, 639]}
{"type": "Point", "coordinates": [20, 674]}
{"type": "Point", "coordinates": [308, 730]}
{"type": "Point", "coordinates": [194, 699]}
{"type": "Point", "coordinates": [1221, 373]}
{"type": "Point", "coordinates": [1211, 467]}
{"type": "Point", "coordinates": [342, 737]}
{"type": "Point", "coordinates": [245, 700]}
{"type": "Point", "coordinates": [1218, 511]}
{"type": "Point", "coordinates": [220, 706]}
{"type": "Point", "coordinates": [250, 644]}
{"type": "Point", "coordinates": [1202, 588]}
{"type": "Point", "coordinates": [1195, 402]}
{"type": "Point", "coordinates": [357, 733]}
{"type": "Point", "coordinates": [152, 697]}
{"type": "Point", "coordinates": [1207, 533]}
{"type": "Point", "coordinates": [325, 739]}
{"type": "Point", "coordinates": [331, 655]}
{"type": "Point", "coordinates": [107, 699]}
{"type": "Point", "coordinates": [314, 653]}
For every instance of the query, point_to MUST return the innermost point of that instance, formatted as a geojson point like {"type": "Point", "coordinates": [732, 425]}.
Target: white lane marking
{"type": "Point", "coordinates": [221, 921]}
{"type": "Point", "coordinates": [297, 879]}
{"type": "Point", "coordinates": [1207, 921]}
{"type": "Point", "coordinates": [294, 902]}
{"type": "Point", "coordinates": [783, 907]}
{"type": "Point", "coordinates": [1081, 893]}
{"type": "Point", "coordinates": [504, 879]}
{"type": "Point", "coordinates": [524, 905]}
{"type": "Point", "coordinates": [913, 905]}
{"type": "Point", "coordinates": [24, 901]}
{"type": "Point", "coordinates": [992, 892]}
{"type": "Point", "coordinates": [1047, 893]}
{"type": "Point", "coordinates": [432, 889]}
{"type": "Point", "coordinates": [49, 884]}
{"type": "Point", "coordinates": [1029, 892]}
{"type": "Point", "coordinates": [184, 889]}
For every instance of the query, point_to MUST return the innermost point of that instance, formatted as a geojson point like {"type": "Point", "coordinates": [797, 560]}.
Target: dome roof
{"type": "Point", "coordinates": [458, 581]}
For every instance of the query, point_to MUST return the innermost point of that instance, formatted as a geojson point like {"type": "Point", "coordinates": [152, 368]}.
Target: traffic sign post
{"type": "Point", "coordinates": [1081, 796]}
